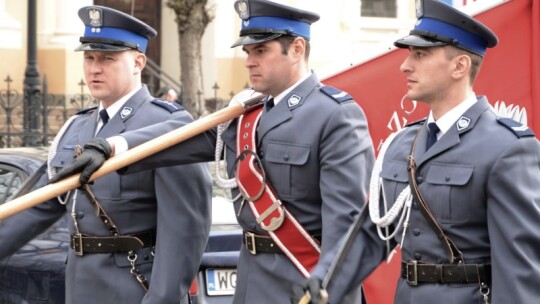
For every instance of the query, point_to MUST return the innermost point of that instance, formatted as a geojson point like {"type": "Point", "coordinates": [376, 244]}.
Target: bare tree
{"type": "Point", "coordinates": [192, 17]}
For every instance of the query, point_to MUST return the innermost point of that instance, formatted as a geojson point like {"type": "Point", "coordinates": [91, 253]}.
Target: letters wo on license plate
{"type": "Point", "coordinates": [220, 281]}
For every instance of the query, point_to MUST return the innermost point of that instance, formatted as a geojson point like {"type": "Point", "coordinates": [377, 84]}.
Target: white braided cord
{"type": "Point", "coordinates": [403, 199]}
{"type": "Point", "coordinates": [221, 180]}
{"type": "Point", "coordinates": [51, 171]}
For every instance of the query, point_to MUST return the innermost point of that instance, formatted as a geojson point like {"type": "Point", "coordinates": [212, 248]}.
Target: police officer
{"type": "Point", "coordinates": [137, 238]}
{"type": "Point", "coordinates": [472, 178]}
{"type": "Point", "coordinates": [312, 145]}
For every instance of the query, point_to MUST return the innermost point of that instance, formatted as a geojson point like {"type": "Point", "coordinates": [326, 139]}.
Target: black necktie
{"type": "Point", "coordinates": [432, 134]}
{"type": "Point", "coordinates": [104, 117]}
{"type": "Point", "coordinates": [269, 104]}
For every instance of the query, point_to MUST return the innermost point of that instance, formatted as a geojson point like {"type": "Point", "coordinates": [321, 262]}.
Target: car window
{"type": "Point", "coordinates": [11, 179]}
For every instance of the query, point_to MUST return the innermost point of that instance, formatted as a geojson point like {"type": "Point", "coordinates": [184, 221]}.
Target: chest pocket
{"type": "Point", "coordinates": [63, 158]}
{"type": "Point", "coordinates": [286, 163]}
{"type": "Point", "coordinates": [450, 195]}
{"type": "Point", "coordinates": [395, 178]}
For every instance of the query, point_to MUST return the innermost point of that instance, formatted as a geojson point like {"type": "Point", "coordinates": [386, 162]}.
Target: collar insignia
{"type": "Point", "coordinates": [463, 123]}
{"type": "Point", "coordinates": [293, 100]}
{"type": "Point", "coordinates": [126, 112]}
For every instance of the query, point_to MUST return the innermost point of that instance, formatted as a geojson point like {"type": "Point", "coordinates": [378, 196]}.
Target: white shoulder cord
{"type": "Point", "coordinates": [375, 188]}
{"type": "Point", "coordinates": [220, 180]}
{"type": "Point", "coordinates": [51, 171]}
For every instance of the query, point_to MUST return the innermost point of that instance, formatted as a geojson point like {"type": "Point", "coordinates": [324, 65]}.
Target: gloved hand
{"type": "Point", "coordinates": [310, 288]}
{"type": "Point", "coordinates": [95, 153]}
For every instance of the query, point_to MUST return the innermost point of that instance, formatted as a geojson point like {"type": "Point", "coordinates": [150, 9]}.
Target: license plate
{"type": "Point", "coordinates": [220, 281]}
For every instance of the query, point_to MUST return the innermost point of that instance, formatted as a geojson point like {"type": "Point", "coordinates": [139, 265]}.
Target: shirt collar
{"type": "Point", "coordinates": [278, 98]}
{"type": "Point", "coordinates": [446, 121]}
{"type": "Point", "coordinates": [115, 107]}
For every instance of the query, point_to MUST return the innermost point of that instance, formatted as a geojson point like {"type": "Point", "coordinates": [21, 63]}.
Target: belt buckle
{"type": "Point", "coordinates": [249, 236]}
{"type": "Point", "coordinates": [77, 244]}
{"type": "Point", "coordinates": [414, 281]}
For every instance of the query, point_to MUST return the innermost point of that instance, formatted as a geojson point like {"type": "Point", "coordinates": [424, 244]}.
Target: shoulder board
{"type": "Point", "coordinates": [418, 122]}
{"type": "Point", "coordinates": [168, 105]}
{"type": "Point", "coordinates": [86, 110]}
{"type": "Point", "coordinates": [338, 95]}
{"type": "Point", "coordinates": [517, 128]}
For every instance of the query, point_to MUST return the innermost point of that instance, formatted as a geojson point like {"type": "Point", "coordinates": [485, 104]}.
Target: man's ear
{"type": "Point", "coordinates": [139, 61]}
{"type": "Point", "coordinates": [298, 47]}
{"type": "Point", "coordinates": [462, 66]}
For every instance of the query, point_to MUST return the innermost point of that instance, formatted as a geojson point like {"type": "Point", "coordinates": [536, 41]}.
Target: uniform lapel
{"type": "Point", "coordinates": [116, 124]}
{"type": "Point", "coordinates": [282, 112]}
{"type": "Point", "coordinates": [451, 138]}
{"type": "Point", "coordinates": [88, 129]}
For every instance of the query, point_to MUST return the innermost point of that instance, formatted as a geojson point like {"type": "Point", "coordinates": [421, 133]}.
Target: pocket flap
{"type": "Point", "coordinates": [286, 153]}
{"type": "Point", "coordinates": [62, 158]}
{"type": "Point", "coordinates": [396, 171]}
{"type": "Point", "coordinates": [449, 174]}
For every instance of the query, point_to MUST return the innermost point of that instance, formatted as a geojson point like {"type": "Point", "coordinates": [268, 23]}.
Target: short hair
{"type": "Point", "coordinates": [286, 41]}
{"type": "Point", "coordinates": [476, 60]}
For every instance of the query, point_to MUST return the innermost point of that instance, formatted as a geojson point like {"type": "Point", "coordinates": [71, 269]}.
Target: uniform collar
{"type": "Point", "coordinates": [446, 121]}
{"type": "Point", "coordinates": [116, 106]}
{"type": "Point", "coordinates": [280, 97]}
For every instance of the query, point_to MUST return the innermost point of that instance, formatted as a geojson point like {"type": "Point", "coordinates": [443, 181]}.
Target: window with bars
{"type": "Point", "coordinates": [378, 8]}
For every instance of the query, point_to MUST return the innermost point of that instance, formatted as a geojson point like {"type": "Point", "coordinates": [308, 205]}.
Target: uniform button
{"type": "Point", "coordinates": [415, 205]}
{"type": "Point", "coordinates": [79, 215]}
{"type": "Point", "coordinates": [447, 178]}
{"type": "Point", "coordinates": [261, 154]}
{"type": "Point", "coordinates": [419, 180]}
{"type": "Point", "coordinates": [395, 175]}
{"type": "Point", "coordinates": [416, 231]}
{"type": "Point", "coordinates": [286, 157]}
{"type": "Point", "coordinates": [417, 256]}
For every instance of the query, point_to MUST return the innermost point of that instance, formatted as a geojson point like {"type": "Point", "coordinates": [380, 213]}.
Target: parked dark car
{"type": "Point", "coordinates": [35, 273]}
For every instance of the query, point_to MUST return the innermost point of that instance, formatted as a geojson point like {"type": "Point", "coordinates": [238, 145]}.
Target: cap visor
{"type": "Point", "coordinates": [417, 41]}
{"type": "Point", "coordinates": [101, 47]}
{"type": "Point", "coordinates": [253, 39]}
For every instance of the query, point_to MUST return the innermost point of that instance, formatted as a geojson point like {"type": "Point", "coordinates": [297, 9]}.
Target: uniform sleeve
{"type": "Point", "coordinates": [184, 195]}
{"type": "Point", "coordinates": [514, 223]}
{"type": "Point", "coordinates": [199, 148]}
{"type": "Point", "coordinates": [346, 159]}
{"type": "Point", "coordinates": [21, 228]}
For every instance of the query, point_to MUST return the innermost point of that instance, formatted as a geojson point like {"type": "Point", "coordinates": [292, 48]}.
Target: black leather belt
{"type": "Point", "coordinates": [416, 273]}
{"type": "Point", "coordinates": [82, 244]}
{"type": "Point", "coordinates": [256, 243]}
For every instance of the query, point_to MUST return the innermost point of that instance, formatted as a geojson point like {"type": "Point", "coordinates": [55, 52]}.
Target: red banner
{"type": "Point", "coordinates": [510, 74]}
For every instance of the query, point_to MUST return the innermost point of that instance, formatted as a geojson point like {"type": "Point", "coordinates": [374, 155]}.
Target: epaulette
{"type": "Point", "coordinates": [418, 122]}
{"type": "Point", "coordinates": [517, 128]}
{"type": "Point", "coordinates": [86, 110]}
{"type": "Point", "coordinates": [338, 95]}
{"type": "Point", "coordinates": [168, 105]}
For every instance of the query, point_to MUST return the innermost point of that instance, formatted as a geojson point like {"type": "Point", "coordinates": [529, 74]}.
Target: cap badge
{"type": "Point", "coordinates": [243, 9]}
{"type": "Point", "coordinates": [126, 112]}
{"type": "Point", "coordinates": [95, 17]}
{"type": "Point", "coordinates": [463, 123]}
{"type": "Point", "coordinates": [419, 4]}
{"type": "Point", "coordinates": [293, 100]}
